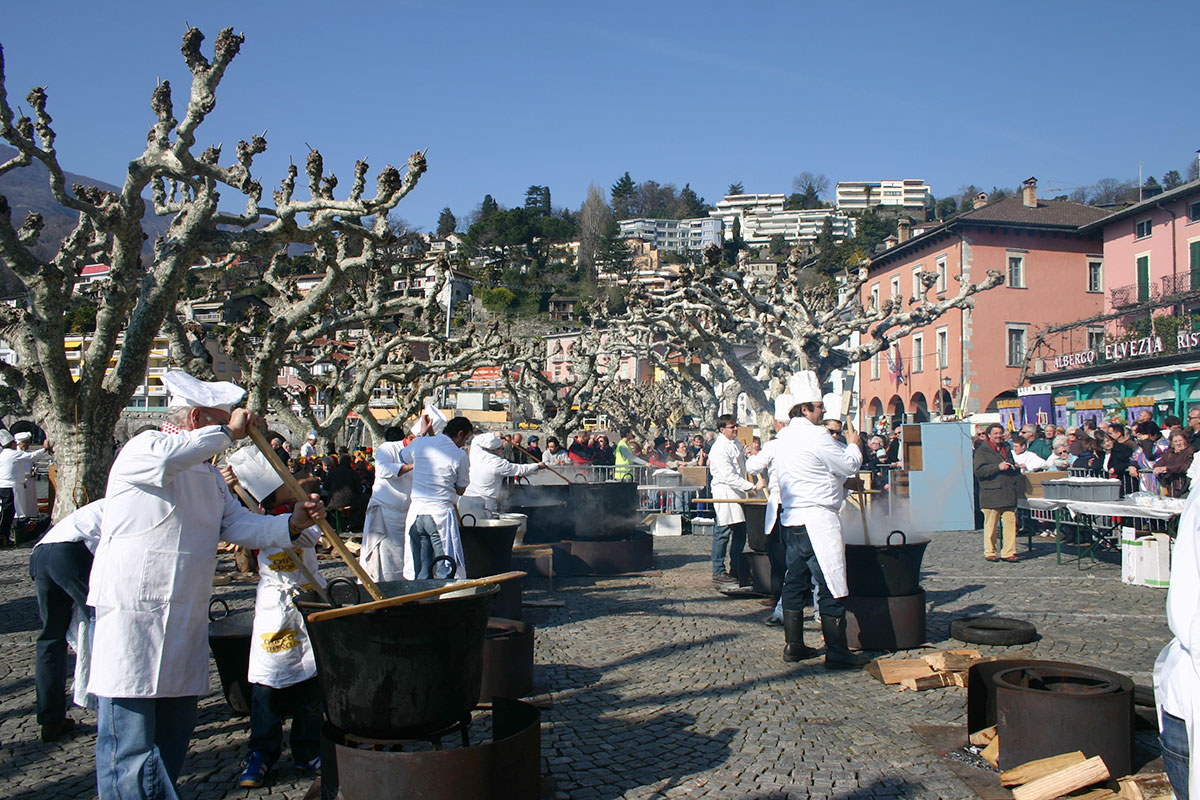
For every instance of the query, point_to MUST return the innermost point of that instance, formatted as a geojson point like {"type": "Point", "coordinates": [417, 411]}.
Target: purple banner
{"type": "Point", "coordinates": [1010, 418]}
{"type": "Point", "coordinates": [1036, 409]}
{"type": "Point", "coordinates": [1082, 415]}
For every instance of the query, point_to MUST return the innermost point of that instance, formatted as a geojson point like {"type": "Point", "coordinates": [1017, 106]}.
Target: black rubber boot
{"type": "Point", "coordinates": [837, 653]}
{"type": "Point", "coordinates": [793, 635]}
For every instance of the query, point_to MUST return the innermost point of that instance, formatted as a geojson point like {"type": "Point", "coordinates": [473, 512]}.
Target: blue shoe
{"type": "Point", "coordinates": [255, 773]}
{"type": "Point", "coordinates": [309, 767]}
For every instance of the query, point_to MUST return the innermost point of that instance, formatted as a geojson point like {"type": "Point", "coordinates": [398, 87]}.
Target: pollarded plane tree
{"type": "Point", "coordinates": [561, 404]}
{"type": "Point", "coordinates": [796, 321]}
{"type": "Point", "coordinates": [80, 413]}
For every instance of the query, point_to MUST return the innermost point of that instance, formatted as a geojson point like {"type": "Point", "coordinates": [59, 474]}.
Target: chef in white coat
{"type": "Point", "coordinates": [812, 469]}
{"type": "Point", "coordinates": [282, 669]}
{"type": "Point", "coordinates": [383, 531]}
{"type": "Point", "coordinates": [762, 464]}
{"type": "Point", "coordinates": [441, 473]}
{"type": "Point", "coordinates": [24, 483]}
{"type": "Point", "coordinates": [486, 492]}
{"type": "Point", "coordinates": [1177, 670]}
{"type": "Point", "coordinates": [166, 509]}
{"type": "Point", "coordinates": [727, 473]}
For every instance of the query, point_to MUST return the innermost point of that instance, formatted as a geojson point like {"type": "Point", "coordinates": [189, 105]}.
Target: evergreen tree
{"type": "Point", "coordinates": [537, 201]}
{"type": "Point", "coordinates": [1172, 179]}
{"type": "Point", "coordinates": [613, 254]}
{"type": "Point", "coordinates": [946, 208]}
{"type": "Point", "coordinates": [446, 224]}
{"type": "Point", "coordinates": [691, 204]}
{"type": "Point", "coordinates": [827, 262]}
{"type": "Point", "coordinates": [735, 188]}
{"type": "Point", "coordinates": [488, 207]}
{"type": "Point", "coordinates": [623, 194]}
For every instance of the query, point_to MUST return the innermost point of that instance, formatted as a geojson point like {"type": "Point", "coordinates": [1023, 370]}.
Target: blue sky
{"type": "Point", "coordinates": [505, 95]}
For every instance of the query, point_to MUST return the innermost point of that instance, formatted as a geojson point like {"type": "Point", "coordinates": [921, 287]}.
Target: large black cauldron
{"type": "Point", "coordinates": [890, 570]}
{"type": "Point", "coordinates": [487, 550]}
{"type": "Point", "coordinates": [601, 510]}
{"type": "Point", "coordinates": [545, 508]}
{"type": "Point", "coordinates": [229, 636]}
{"type": "Point", "coordinates": [404, 671]}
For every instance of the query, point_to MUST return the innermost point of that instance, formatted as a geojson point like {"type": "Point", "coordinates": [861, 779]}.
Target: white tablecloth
{"type": "Point", "coordinates": [1098, 509]}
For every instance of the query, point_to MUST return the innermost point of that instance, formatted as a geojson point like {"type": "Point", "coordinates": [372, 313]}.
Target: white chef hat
{"type": "Point", "coordinates": [189, 392]}
{"type": "Point", "coordinates": [804, 387]}
{"type": "Point", "coordinates": [312, 435]}
{"type": "Point", "coordinates": [783, 404]}
{"type": "Point", "coordinates": [833, 405]}
{"type": "Point", "coordinates": [430, 418]}
{"type": "Point", "coordinates": [489, 441]}
{"type": "Point", "coordinates": [23, 436]}
{"type": "Point", "coordinates": [255, 472]}
{"type": "Point", "coordinates": [6, 438]}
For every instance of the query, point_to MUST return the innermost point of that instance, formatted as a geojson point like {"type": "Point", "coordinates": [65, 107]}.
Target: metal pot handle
{"type": "Point", "coordinates": [628, 478]}
{"type": "Point", "coordinates": [521, 479]}
{"type": "Point", "coordinates": [217, 601]}
{"type": "Point", "coordinates": [463, 518]}
{"type": "Point", "coordinates": [903, 538]}
{"type": "Point", "coordinates": [339, 581]}
{"type": "Point", "coordinates": [581, 477]}
{"type": "Point", "coordinates": [448, 559]}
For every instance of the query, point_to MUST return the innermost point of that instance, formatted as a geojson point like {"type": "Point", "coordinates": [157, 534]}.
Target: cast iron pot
{"type": "Point", "coordinates": [487, 550]}
{"type": "Point", "coordinates": [600, 509]}
{"type": "Point", "coordinates": [229, 639]}
{"type": "Point", "coordinates": [404, 671]}
{"type": "Point", "coordinates": [891, 570]}
{"type": "Point", "coordinates": [756, 518]}
{"type": "Point", "coordinates": [548, 518]}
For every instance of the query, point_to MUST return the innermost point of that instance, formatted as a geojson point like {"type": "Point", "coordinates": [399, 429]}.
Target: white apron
{"type": "Point", "coordinates": [728, 513]}
{"type": "Point", "coordinates": [280, 652]}
{"type": "Point", "coordinates": [825, 533]}
{"type": "Point", "coordinates": [446, 520]}
{"type": "Point", "coordinates": [383, 542]}
{"type": "Point", "coordinates": [772, 513]}
{"type": "Point", "coordinates": [25, 498]}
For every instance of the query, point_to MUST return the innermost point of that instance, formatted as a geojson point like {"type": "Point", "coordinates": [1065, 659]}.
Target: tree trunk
{"type": "Point", "coordinates": [84, 455]}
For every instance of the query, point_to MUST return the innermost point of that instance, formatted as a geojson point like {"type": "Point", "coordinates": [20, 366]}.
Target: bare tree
{"type": "Point", "coordinates": [80, 414]}
{"type": "Point", "coordinates": [593, 225]}
{"type": "Point", "coordinates": [792, 323]}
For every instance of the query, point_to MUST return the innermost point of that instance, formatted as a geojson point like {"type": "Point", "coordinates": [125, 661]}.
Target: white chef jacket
{"type": "Point", "coordinates": [165, 511]}
{"type": "Point", "coordinates": [1030, 461]}
{"type": "Point", "coordinates": [812, 468]}
{"type": "Point", "coordinates": [758, 464]}
{"type": "Point", "coordinates": [308, 450]}
{"type": "Point", "coordinates": [81, 525]}
{"type": "Point", "coordinates": [440, 467]}
{"type": "Point", "coordinates": [558, 458]}
{"type": "Point", "coordinates": [727, 472]}
{"type": "Point", "coordinates": [16, 473]}
{"type": "Point", "coordinates": [488, 472]}
{"type": "Point", "coordinates": [383, 531]}
{"type": "Point", "coordinates": [281, 654]}
{"type": "Point", "coordinates": [1177, 670]}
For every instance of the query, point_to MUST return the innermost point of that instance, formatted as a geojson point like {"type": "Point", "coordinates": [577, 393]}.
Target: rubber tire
{"type": "Point", "coordinates": [993, 630]}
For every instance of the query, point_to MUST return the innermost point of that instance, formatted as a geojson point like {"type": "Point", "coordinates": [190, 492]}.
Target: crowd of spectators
{"type": "Point", "coordinates": [1145, 456]}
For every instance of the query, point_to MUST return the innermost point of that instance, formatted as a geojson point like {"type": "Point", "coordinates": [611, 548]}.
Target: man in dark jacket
{"type": "Point", "coordinates": [997, 476]}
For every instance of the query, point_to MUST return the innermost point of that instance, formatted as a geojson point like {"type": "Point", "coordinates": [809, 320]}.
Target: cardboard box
{"type": "Point", "coordinates": [1131, 551]}
{"type": "Point", "coordinates": [694, 476]}
{"type": "Point", "coordinates": [1031, 482]}
{"type": "Point", "coordinates": [667, 525]}
{"type": "Point", "coordinates": [1154, 565]}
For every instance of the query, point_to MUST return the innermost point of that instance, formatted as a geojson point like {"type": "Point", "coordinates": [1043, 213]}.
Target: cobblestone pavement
{"type": "Point", "coordinates": [663, 688]}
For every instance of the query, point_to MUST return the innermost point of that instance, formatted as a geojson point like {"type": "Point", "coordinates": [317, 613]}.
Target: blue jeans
{"type": "Point", "coordinates": [732, 537]}
{"type": "Point", "coordinates": [426, 543]}
{"type": "Point", "coordinates": [302, 702]}
{"type": "Point", "coordinates": [140, 746]}
{"type": "Point", "coordinates": [1175, 753]}
{"type": "Point", "coordinates": [60, 577]}
{"type": "Point", "coordinates": [801, 564]}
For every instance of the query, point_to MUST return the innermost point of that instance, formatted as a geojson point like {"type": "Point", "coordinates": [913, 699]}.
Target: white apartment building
{"type": "Point", "coordinates": [674, 235]}
{"type": "Point", "coordinates": [861, 195]}
{"type": "Point", "coordinates": [796, 227]}
{"type": "Point", "coordinates": [761, 217]}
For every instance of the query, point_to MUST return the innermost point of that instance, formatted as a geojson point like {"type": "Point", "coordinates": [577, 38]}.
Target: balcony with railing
{"type": "Point", "coordinates": [1136, 293]}
{"type": "Point", "coordinates": [1180, 283]}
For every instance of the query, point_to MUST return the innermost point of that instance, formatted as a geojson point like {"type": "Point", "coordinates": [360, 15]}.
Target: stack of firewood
{"type": "Point", "coordinates": [931, 671]}
{"type": "Point", "coordinates": [1072, 775]}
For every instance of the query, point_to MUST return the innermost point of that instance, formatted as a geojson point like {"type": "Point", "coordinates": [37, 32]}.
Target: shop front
{"type": "Point", "coordinates": [1120, 380]}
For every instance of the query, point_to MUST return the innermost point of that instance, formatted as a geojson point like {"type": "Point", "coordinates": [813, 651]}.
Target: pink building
{"type": "Point", "coordinates": [1052, 273]}
{"type": "Point", "coordinates": [1152, 248]}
